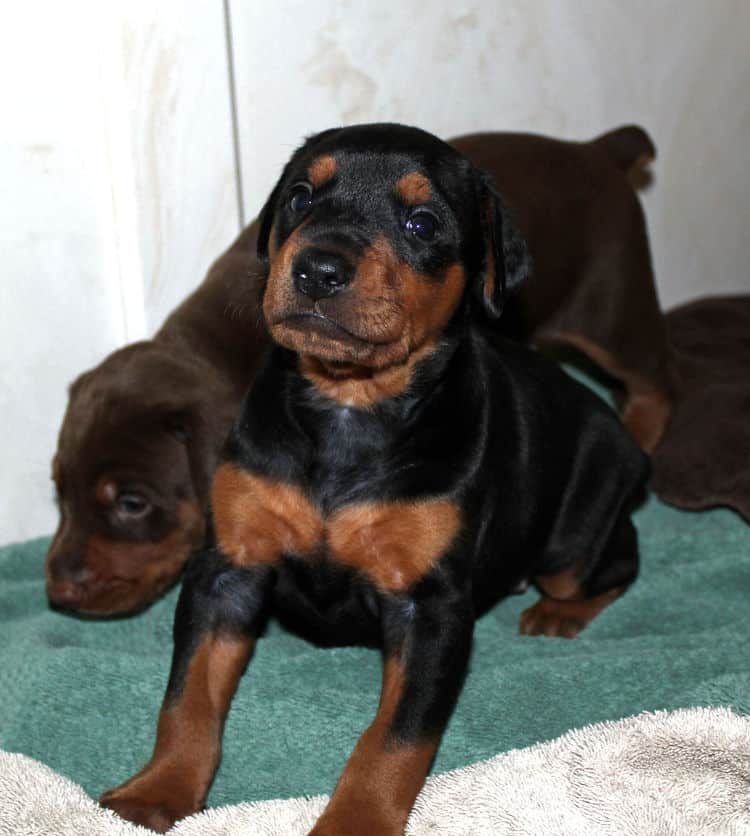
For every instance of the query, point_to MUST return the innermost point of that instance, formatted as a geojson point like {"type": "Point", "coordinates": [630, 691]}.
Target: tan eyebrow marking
{"type": "Point", "coordinates": [414, 188]}
{"type": "Point", "coordinates": [322, 170]}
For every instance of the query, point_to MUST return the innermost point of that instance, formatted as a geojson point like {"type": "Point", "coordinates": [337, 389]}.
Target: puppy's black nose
{"type": "Point", "coordinates": [319, 274]}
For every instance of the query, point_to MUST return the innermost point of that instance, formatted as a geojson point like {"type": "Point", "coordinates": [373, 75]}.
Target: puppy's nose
{"type": "Point", "coordinates": [67, 582]}
{"type": "Point", "coordinates": [319, 274]}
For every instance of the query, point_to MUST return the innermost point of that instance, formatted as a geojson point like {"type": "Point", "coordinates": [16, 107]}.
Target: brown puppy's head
{"type": "Point", "coordinates": [378, 237]}
{"type": "Point", "coordinates": [131, 472]}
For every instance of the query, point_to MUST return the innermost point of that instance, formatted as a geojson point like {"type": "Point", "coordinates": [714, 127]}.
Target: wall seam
{"type": "Point", "coordinates": [234, 116]}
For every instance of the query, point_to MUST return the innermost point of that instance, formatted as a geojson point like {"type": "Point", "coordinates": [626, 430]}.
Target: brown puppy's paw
{"type": "Point", "coordinates": [159, 815]}
{"type": "Point", "coordinates": [565, 619]}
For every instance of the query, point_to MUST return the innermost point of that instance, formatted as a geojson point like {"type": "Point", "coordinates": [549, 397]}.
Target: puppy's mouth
{"type": "Point", "coordinates": [314, 322]}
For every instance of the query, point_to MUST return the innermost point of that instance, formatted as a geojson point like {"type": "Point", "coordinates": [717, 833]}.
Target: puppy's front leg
{"type": "Point", "coordinates": [427, 641]}
{"type": "Point", "coordinates": [216, 621]}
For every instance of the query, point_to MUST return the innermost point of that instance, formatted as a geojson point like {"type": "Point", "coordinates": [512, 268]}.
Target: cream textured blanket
{"type": "Point", "coordinates": [664, 774]}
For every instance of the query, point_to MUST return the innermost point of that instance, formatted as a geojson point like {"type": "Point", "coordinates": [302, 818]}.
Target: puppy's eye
{"type": "Point", "coordinates": [300, 198]}
{"type": "Point", "coordinates": [422, 225]}
{"type": "Point", "coordinates": [131, 505]}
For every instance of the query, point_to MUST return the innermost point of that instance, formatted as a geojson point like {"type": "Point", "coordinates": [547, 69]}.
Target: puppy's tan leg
{"type": "Point", "coordinates": [572, 598]}
{"type": "Point", "coordinates": [427, 645]}
{"type": "Point", "coordinates": [175, 782]}
{"type": "Point", "coordinates": [566, 619]}
{"type": "Point", "coordinates": [217, 618]}
{"type": "Point", "coordinates": [383, 776]}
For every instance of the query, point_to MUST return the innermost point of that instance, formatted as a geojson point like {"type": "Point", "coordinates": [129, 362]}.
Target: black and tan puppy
{"type": "Point", "coordinates": [392, 472]}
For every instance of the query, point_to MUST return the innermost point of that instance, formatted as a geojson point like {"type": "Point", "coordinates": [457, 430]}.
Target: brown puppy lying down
{"type": "Point", "coordinates": [139, 442]}
{"type": "Point", "coordinates": [142, 431]}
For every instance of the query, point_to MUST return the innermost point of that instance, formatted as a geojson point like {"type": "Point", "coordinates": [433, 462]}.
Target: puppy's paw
{"type": "Point", "coordinates": [566, 619]}
{"type": "Point", "coordinates": [146, 809]}
{"type": "Point", "coordinates": [338, 820]}
{"type": "Point", "coordinates": [550, 618]}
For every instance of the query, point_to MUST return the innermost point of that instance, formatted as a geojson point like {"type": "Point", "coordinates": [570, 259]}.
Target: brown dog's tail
{"type": "Point", "coordinates": [629, 147]}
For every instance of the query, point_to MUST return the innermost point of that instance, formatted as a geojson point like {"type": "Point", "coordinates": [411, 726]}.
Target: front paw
{"type": "Point", "coordinates": [366, 822]}
{"type": "Point", "coordinates": [155, 810]}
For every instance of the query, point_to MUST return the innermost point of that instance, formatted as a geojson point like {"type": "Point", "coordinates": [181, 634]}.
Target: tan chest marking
{"type": "Point", "coordinates": [394, 544]}
{"type": "Point", "coordinates": [257, 520]}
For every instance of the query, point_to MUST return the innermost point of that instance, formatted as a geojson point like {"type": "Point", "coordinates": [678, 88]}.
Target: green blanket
{"type": "Point", "coordinates": [82, 696]}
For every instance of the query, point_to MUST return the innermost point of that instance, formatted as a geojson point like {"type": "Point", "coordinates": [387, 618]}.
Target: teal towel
{"type": "Point", "coordinates": [82, 696]}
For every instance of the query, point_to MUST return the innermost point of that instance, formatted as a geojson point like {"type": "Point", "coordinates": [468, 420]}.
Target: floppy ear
{"type": "Point", "coordinates": [192, 403]}
{"type": "Point", "coordinates": [202, 431]}
{"type": "Point", "coordinates": [265, 221]}
{"type": "Point", "coordinates": [506, 258]}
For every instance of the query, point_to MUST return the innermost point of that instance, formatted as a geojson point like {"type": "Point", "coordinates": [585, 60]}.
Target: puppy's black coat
{"type": "Point", "coordinates": [395, 469]}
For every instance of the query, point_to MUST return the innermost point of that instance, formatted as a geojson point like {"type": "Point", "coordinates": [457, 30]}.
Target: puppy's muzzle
{"type": "Point", "coordinates": [318, 274]}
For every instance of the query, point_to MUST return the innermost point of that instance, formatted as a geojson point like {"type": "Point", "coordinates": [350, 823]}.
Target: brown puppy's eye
{"type": "Point", "coordinates": [301, 198]}
{"type": "Point", "coordinates": [422, 225]}
{"type": "Point", "coordinates": [131, 505]}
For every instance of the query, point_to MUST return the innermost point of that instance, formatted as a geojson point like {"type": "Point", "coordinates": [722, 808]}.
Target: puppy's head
{"type": "Point", "coordinates": [377, 237]}
{"type": "Point", "coordinates": [131, 474]}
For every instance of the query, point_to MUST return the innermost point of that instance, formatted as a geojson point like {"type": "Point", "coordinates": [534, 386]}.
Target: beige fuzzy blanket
{"type": "Point", "coordinates": [664, 774]}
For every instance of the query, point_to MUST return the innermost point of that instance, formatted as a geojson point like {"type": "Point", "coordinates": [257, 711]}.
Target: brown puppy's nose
{"type": "Point", "coordinates": [67, 580]}
{"type": "Point", "coordinates": [319, 274]}
{"type": "Point", "coordinates": [66, 594]}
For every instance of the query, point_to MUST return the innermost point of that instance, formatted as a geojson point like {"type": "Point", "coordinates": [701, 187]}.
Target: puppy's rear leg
{"type": "Point", "coordinates": [571, 599]}
{"type": "Point", "coordinates": [649, 400]}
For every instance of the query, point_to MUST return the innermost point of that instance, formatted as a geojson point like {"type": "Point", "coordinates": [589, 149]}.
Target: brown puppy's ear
{"type": "Point", "coordinates": [202, 428]}
{"type": "Point", "coordinates": [506, 258]}
{"type": "Point", "coordinates": [265, 221]}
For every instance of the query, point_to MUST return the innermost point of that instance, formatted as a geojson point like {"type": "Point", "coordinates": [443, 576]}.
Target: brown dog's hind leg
{"type": "Point", "coordinates": [572, 598]}
{"type": "Point", "coordinates": [647, 405]}
{"type": "Point", "coordinates": [646, 414]}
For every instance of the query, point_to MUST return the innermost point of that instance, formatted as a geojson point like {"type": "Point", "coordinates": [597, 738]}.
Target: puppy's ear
{"type": "Point", "coordinates": [202, 431]}
{"type": "Point", "coordinates": [265, 222]}
{"type": "Point", "coordinates": [506, 258]}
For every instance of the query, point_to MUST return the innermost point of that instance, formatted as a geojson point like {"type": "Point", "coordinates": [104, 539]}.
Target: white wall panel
{"type": "Point", "coordinates": [117, 172]}
{"type": "Point", "coordinates": [175, 84]}
{"type": "Point", "coordinates": [60, 305]}
{"type": "Point", "coordinates": [572, 68]}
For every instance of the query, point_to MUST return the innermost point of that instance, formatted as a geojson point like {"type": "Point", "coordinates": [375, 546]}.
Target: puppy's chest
{"type": "Point", "coordinates": [340, 509]}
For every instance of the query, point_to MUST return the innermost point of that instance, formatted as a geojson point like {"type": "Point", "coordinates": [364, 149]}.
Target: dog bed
{"type": "Point", "coordinates": [82, 696]}
{"type": "Point", "coordinates": [657, 774]}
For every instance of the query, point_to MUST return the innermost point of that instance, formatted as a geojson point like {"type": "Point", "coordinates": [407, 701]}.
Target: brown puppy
{"type": "Point", "coordinates": [593, 285]}
{"type": "Point", "coordinates": [143, 429]}
{"type": "Point", "coordinates": [139, 442]}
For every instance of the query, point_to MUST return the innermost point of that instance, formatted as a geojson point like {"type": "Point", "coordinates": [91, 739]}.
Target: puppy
{"type": "Point", "coordinates": [143, 430]}
{"type": "Point", "coordinates": [593, 286]}
{"type": "Point", "coordinates": [140, 439]}
{"type": "Point", "coordinates": [392, 472]}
